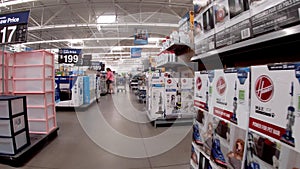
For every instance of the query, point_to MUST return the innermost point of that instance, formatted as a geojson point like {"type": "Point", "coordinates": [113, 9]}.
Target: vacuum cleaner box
{"type": "Point", "coordinates": [275, 102]}
{"type": "Point", "coordinates": [171, 95]}
{"type": "Point", "coordinates": [156, 106]}
{"type": "Point", "coordinates": [187, 95]}
{"type": "Point", "coordinates": [203, 90]}
{"type": "Point", "coordinates": [230, 96]}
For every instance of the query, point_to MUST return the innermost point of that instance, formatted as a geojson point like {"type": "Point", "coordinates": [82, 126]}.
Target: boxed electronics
{"type": "Point", "coordinates": [69, 91]}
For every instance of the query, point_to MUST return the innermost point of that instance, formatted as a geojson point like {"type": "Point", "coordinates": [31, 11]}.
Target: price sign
{"type": "Point", "coordinates": [13, 27]}
{"type": "Point", "coordinates": [69, 56]}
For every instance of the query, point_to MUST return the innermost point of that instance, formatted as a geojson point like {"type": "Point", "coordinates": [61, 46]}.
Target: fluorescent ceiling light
{"type": "Point", "coordinates": [8, 3]}
{"type": "Point", "coordinates": [116, 48]}
{"type": "Point", "coordinates": [109, 47]}
{"type": "Point", "coordinates": [154, 39]}
{"type": "Point", "coordinates": [107, 19]}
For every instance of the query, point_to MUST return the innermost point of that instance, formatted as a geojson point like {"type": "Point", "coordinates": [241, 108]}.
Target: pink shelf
{"type": "Point", "coordinates": [33, 76]}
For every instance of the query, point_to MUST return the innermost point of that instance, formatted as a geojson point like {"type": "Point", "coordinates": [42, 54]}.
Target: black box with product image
{"type": "Point", "coordinates": [237, 7]}
{"type": "Point", "coordinates": [208, 20]}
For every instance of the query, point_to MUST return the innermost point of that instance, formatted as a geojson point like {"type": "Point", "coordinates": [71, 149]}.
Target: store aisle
{"type": "Point", "coordinates": [113, 134]}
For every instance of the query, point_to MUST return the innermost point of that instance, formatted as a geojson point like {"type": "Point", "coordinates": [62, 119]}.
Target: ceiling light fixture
{"type": "Point", "coordinates": [8, 3]}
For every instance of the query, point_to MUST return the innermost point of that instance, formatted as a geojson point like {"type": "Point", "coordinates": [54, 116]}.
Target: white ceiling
{"type": "Point", "coordinates": [53, 23]}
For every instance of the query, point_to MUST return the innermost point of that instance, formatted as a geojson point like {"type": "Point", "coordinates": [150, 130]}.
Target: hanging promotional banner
{"type": "Point", "coordinates": [136, 52]}
{"type": "Point", "coordinates": [141, 37]}
{"type": "Point", "coordinates": [13, 27]}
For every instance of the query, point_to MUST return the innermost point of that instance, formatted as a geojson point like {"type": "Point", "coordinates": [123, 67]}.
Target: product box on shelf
{"type": "Point", "coordinates": [230, 116]}
{"type": "Point", "coordinates": [187, 95]}
{"type": "Point", "coordinates": [203, 90]}
{"type": "Point", "coordinates": [270, 15]}
{"type": "Point", "coordinates": [221, 14]}
{"type": "Point", "coordinates": [221, 144]}
{"type": "Point", "coordinates": [263, 152]}
{"type": "Point", "coordinates": [156, 99]}
{"type": "Point", "coordinates": [194, 162]}
{"type": "Point", "coordinates": [201, 5]}
{"type": "Point", "coordinates": [69, 91]}
{"type": "Point", "coordinates": [238, 26]}
{"type": "Point", "coordinates": [230, 96]}
{"type": "Point", "coordinates": [275, 108]}
{"type": "Point", "coordinates": [171, 96]}
{"type": "Point", "coordinates": [86, 90]}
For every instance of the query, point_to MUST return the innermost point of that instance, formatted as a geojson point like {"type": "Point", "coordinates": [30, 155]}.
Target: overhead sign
{"type": "Point", "coordinates": [141, 37]}
{"type": "Point", "coordinates": [69, 56]}
{"type": "Point", "coordinates": [136, 52]}
{"type": "Point", "coordinates": [13, 27]}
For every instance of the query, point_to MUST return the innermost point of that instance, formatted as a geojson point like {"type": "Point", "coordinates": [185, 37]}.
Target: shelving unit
{"type": "Point", "coordinates": [3, 66]}
{"type": "Point", "coordinates": [33, 76]}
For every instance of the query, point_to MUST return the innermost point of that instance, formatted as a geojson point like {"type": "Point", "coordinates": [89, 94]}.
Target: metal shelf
{"type": "Point", "coordinates": [178, 48]}
{"type": "Point", "coordinates": [260, 39]}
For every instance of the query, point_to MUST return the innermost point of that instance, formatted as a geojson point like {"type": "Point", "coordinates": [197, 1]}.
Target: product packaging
{"type": "Point", "coordinates": [157, 93]}
{"type": "Point", "coordinates": [273, 15]}
{"type": "Point", "coordinates": [203, 90]}
{"type": "Point", "coordinates": [187, 95]}
{"type": "Point", "coordinates": [171, 96]}
{"type": "Point", "coordinates": [275, 108]}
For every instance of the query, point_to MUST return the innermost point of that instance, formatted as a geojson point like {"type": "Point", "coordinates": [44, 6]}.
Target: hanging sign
{"type": "Point", "coordinates": [141, 37]}
{"type": "Point", "coordinates": [13, 27]}
{"type": "Point", "coordinates": [69, 56]}
{"type": "Point", "coordinates": [136, 52]}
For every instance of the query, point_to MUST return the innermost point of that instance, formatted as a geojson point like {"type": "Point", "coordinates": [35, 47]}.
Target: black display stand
{"type": "Point", "coordinates": [38, 142]}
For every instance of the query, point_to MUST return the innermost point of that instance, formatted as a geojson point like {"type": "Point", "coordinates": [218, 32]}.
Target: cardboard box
{"type": "Point", "coordinates": [171, 95]}
{"type": "Point", "coordinates": [230, 96]}
{"type": "Point", "coordinates": [203, 90]}
{"type": "Point", "coordinates": [275, 108]}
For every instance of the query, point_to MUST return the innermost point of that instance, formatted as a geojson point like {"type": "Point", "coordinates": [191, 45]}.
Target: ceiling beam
{"type": "Point", "coordinates": [53, 16]}
{"type": "Point", "coordinates": [35, 28]}
{"type": "Point", "coordinates": [176, 14]}
{"type": "Point", "coordinates": [150, 16]}
{"type": "Point", "coordinates": [129, 14]}
{"type": "Point", "coordinates": [34, 21]}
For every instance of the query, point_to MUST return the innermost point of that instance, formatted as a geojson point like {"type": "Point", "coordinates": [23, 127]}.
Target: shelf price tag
{"type": "Point", "coordinates": [13, 27]}
{"type": "Point", "coordinates": [69, 56]}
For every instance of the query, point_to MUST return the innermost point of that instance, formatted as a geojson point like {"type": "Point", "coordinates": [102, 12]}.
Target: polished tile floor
{"type": "Point", "coordinates": [113, 134]}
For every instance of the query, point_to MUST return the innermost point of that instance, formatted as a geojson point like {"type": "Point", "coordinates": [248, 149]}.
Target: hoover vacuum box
{"type": "Point", "coordinates": [230, 96]}
{"type": "Point", "coordinates": [203, 89]}
{"type": "Point", "coordinates": [275, 102]}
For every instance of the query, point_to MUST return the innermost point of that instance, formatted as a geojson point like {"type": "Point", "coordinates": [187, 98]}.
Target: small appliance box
{"type": "Point", "coordinates": [157, 107]}
{"type": "Point", "coordinates": [203, 90]}
{"type": "Point", "coordinates": [230, 96]}
{"type": "Point", "coordinates": [171, 95]}
{"type": "Point", "coordinates": [262, 5]}
{"type": "Point", "coordinates": [86, 90]}
{"type": "Point", "coordinates": [187, 95]}
{"type": "Point", "coordinates": [275, 106]}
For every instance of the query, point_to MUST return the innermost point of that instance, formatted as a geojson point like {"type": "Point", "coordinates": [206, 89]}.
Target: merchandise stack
{"type": "Point", "coordinates": [236, 128]}
{"type": "Point", "coordinates": [33, 77]}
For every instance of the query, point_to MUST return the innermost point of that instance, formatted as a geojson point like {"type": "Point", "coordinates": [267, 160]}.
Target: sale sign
{"type": "Point", "coordinates": [13, 27]}
{"type": "Point", "coordinates": [275, 106]}
{"type": "Point", "coordinates": [69, 56]}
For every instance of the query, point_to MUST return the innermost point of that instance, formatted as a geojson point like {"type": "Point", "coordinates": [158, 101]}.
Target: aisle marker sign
{"type": "Point", "coordinates": [13, 27]}
{"type": "Point", "coordinates": [69, 55]}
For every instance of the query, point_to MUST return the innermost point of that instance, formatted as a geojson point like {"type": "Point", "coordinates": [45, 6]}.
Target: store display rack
{"type": "Point", "coordinates": [250, 42]}
{"type": "Point", "coordinates": [178, 48]}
